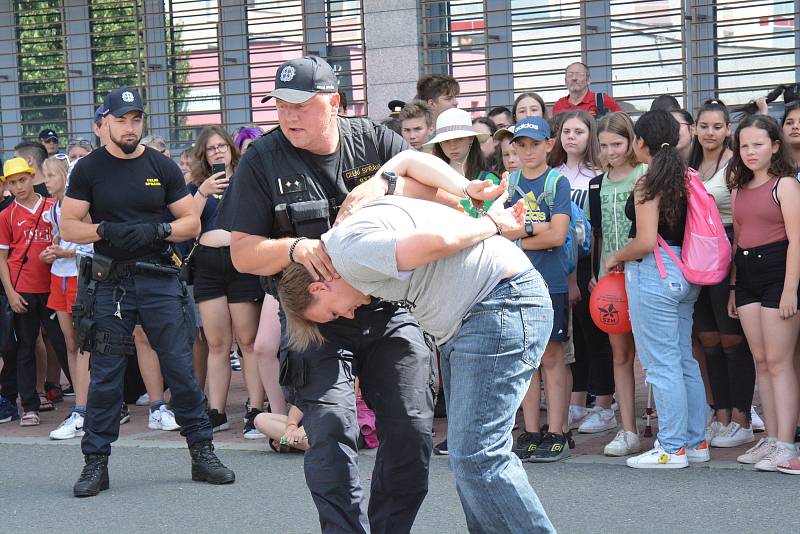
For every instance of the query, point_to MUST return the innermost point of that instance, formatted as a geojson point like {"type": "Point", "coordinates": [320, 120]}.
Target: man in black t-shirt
{"type": "Point", "coordinates": [283, 196]}
{"type": "Point", "coordinates": [125, 188]}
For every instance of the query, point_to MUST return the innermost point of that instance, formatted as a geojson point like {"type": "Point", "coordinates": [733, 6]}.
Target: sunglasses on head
{"type": "Point", "coordinates": [79, 142]}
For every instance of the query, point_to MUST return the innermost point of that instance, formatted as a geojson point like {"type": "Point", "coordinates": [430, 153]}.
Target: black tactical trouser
{"type": "Point", "coordinates": [384, 346]}
{"type": "Point", "coordinates": [161, 304]}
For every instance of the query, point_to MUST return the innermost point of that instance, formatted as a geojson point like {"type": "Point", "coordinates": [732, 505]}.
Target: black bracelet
{"type": "Point", "coordinates": [291, 248]}
{"type": "Point", "coordinates": [732, 287]}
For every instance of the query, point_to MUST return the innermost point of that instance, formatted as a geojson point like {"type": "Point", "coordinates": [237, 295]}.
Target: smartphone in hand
{"type": "Point", "coordinates": [217, 167]}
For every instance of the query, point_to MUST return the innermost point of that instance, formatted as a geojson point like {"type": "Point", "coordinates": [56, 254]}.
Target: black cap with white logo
{"type": "Point", "coordinates": [46, 135]}
{"type": "Point", "coordinates": [300, 79]}
{"type": "Point", "coordinates": [121, 101]}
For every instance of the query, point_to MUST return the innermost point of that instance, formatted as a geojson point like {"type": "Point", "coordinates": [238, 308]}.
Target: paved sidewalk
{"type": "Point", "coordinates": [589, 446]}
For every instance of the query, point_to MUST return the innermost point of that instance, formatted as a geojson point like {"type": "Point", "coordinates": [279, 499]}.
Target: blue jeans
{"type": "Point", "coordinates": [486, 369]}
{"type": "Point", "coordinates": [661, 315]}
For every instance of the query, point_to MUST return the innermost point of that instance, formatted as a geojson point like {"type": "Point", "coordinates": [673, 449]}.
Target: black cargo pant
{"type": "Point", "coordinates": [384, 346]}
{"type": "Point", "coordinates": [161, 304]}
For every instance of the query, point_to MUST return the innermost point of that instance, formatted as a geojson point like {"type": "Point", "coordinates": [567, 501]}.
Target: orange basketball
{"type": "Point", "coordinates": [609, 304]}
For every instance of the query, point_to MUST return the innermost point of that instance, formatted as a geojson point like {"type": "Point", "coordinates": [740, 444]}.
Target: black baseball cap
{"type": "Point", "coordinates": [298, 80]}
{"type": "Point", "coordinates": [99, 113]}
{"type": "Point", "coordinates": [44, 135]}
{"type": "Point", "coordinates": [121, 101]}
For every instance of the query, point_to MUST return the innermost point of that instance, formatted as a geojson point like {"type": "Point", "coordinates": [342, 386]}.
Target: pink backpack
{"type": "Point", "coordinates": [706, 252]}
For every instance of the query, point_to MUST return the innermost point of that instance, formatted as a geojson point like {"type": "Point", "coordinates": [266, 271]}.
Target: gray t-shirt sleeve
{"type": "Point", "coordinates": [364, 254]}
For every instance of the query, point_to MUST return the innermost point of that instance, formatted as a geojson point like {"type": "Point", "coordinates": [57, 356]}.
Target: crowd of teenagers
{"type": "Point", "coordinates": [705, 349]}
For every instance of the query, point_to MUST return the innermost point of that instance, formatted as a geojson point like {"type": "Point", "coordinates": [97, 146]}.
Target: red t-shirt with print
{"type": "Point", "coordinates": [18, 227]}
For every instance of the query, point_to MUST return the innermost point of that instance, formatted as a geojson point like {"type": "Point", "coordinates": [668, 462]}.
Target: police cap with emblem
{"type": "Point", "coordinates": [395, 107]}
{"type": "Point", "coordinates": [300, 79]}
{"type": "Point", "coordinates": [121, 101]}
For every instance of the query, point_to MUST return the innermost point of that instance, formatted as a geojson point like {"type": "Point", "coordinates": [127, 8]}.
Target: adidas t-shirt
{"type": "Point", "coordinates": [18, 226]}
{"type": "Point", "coordinates": [551, 263]}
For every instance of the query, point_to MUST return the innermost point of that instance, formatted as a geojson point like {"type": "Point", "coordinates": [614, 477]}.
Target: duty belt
{"type": "Point", "coordinates": [148, 265]}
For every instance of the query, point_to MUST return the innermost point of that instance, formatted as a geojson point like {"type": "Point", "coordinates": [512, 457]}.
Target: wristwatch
{"type": "Point", "coordinates": [529, 228]}
{"type": "Point", "coordinates": [391, 178]}
{"type": "Point", "coordinates": [163, 231]}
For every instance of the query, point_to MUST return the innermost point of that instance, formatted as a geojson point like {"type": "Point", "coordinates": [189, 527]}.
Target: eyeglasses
{"type": "Point", "coordinates": [211, 150]}
{"type": "Point", "coordinates": [575, 75]}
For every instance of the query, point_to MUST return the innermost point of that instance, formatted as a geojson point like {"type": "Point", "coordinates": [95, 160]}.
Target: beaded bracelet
{"type": "Point", "coordinates": [292, 246]}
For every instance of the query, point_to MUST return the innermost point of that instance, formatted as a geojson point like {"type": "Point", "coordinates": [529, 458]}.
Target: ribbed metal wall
{"type": "Point", "coordinates": [197, 62]}
{"type": "Point", "coordinates": [732, 49]}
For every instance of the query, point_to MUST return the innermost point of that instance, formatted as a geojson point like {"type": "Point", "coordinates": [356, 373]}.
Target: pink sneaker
{"type": "Point", "coordinates": [792, 467]}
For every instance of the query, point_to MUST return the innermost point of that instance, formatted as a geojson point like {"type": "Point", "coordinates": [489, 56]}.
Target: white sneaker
{"type": "Point", "coordinates": [162, 419]}
{"type": "Point", "coordinates": [756, 423]}
{"type": "Point", "coordinates": [71, 427]}
{"type": "Point", "coordinates": [713, 430]}
{"type": "Point", "coordinates": [733, 435]}
{"type": "Point", "coordinates": [710, 414]}
{"type": "Point", "coordinates": [658, 458]}
{"type": "Point", "coordinates": [698, 454]}
{"type": "Point", "coordinates": [623, 444]}
{"type": "Point", "coordinates": [577, 415]}
{"type": "Point", "coordinates": [756, 453]}
{"type": "Point", "coordinates": [778, 455]}
{"type": "Point", "coordinates": [143, 400]}
{"type": "Point", "coordinates": [600, 420]}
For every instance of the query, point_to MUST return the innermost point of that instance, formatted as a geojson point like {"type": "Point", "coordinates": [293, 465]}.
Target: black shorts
{"type": "Point", "coordinates": [760, 272]}
{"type": "Point", "coordinates": [711, 308]}
{"type": "Point", "coordinates": [711, 311]}
{"type": "Point", "coordinates": [560, 330]}
{"type": "Point", "coordinates": [215, 276]}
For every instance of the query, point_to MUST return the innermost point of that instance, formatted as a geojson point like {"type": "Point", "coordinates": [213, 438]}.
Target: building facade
{"type": "Point", "coordinates": [202, 62]}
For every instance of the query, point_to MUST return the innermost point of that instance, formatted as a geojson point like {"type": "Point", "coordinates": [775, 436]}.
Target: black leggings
{"type": "Point", "coordinates": [732, 376]}
{"type": "Point", "coordinates": [593, 370]}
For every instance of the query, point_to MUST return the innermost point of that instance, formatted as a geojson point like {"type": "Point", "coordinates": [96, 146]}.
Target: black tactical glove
{"type": "Point", "coordinates": [112, 232]}
{"type": "Point", "coordinates": [138, 235]}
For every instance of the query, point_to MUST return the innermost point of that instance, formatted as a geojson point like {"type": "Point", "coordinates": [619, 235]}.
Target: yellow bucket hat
{"type": "Point", "coordinates": [16, 166]}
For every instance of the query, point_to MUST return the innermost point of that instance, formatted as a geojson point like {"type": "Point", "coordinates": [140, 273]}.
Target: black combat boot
{"type": "Point", "coordinates": [94, 477]}
{"type": "Point", "coordinates": [206, 467]}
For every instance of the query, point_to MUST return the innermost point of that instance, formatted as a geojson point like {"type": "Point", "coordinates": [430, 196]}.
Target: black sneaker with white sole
{"type": "Point", "coordinates": [441, 449]}
{"type": "Point", "coordinates": [527, 443]}
{"type": "Point", "coordinates": [219, 421]}
{"type": "Point", "coordinates": [553, 447]}
{"type": "Point", "coordinates": [124, 414]}
{"type": "Point", "coordinates": [250, 431]}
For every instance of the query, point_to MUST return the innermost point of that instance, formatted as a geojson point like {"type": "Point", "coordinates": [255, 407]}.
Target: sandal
{"type": "Point", "coordinates": [29, 419]}
{"type": "Point", "coordinates": [45, 404]}
{"type": "Point", "coordinates": [282, 448]}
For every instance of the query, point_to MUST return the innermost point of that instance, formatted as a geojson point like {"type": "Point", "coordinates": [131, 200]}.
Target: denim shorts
{"type": "Point", "coordinates": [760, 272]}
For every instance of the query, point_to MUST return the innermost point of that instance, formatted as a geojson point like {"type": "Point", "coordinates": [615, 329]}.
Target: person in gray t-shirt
{"type": "Point", "coordinates": [471, 288]}
{"type": "Point", "coordinates": [365, 249]}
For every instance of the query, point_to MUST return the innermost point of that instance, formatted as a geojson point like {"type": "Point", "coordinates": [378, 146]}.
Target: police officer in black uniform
{"type": "Point", "coordinates": [283, 196]}
{"type": "Point", "coordinates": [126, 188]}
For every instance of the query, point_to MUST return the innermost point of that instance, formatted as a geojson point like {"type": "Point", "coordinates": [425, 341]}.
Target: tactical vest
{"type": "Point", "coordinates": [303, 205]}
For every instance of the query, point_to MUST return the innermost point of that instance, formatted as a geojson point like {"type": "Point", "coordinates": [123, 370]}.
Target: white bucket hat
{"type": "Point", "coordinates": [455, 123]}
{"type": "Point", "coordinates": [502, 133]}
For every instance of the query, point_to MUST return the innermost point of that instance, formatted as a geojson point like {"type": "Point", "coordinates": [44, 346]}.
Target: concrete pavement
{"type": "Point", "coordinates": [151, 491]}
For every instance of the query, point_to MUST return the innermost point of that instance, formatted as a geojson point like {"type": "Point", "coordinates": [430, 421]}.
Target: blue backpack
{"type": "Point", "coordinates": [579, 234]}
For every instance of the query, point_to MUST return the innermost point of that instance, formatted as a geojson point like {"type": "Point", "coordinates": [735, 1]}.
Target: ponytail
{"type": "Point", "coordinates": [666, 174]}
